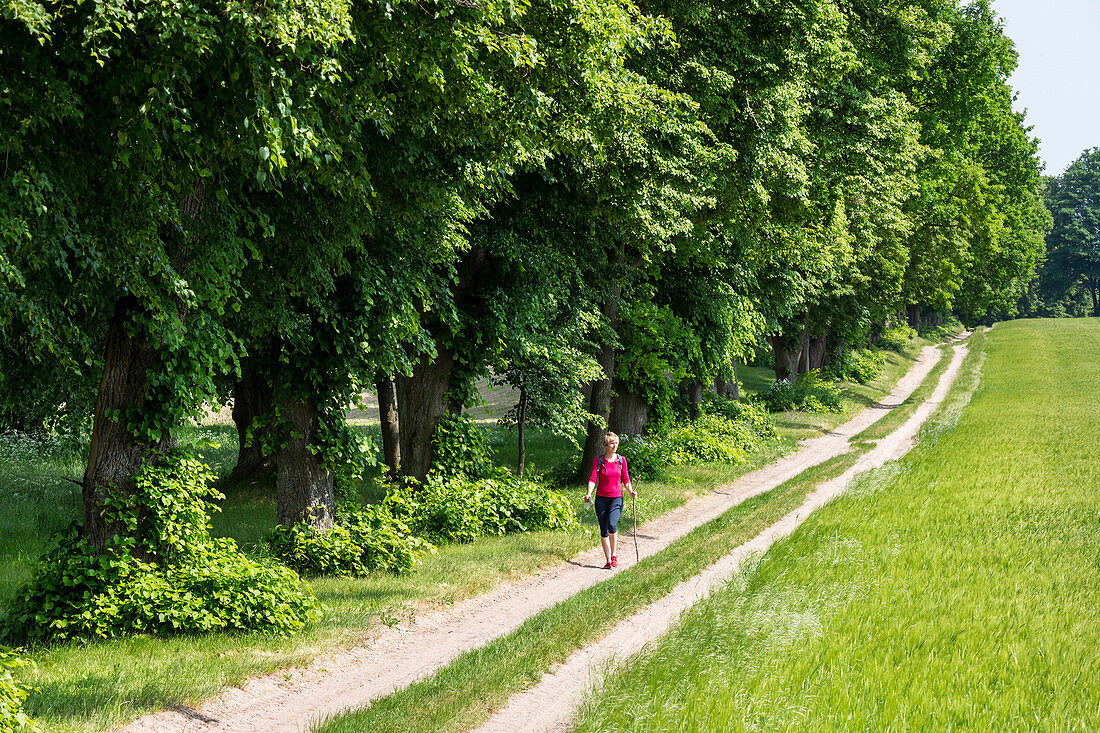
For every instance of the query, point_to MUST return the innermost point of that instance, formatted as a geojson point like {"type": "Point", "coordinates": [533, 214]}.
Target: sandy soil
{"type": "Point", "coordinates": [551, 704]}
{"type": "Point", "coordinates": [398, 656]}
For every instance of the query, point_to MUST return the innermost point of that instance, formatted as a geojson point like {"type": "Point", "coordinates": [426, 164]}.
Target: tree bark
{"type": "Point", "coordinates": [252, 399]}
{"type": "Point", "coordinates": [304, 488]}
{"type": "Point", "coordinates": [817, 351]}
{"type": "Point", "coordinates": [786, 360]}
{"type": "Point", "coordinates": [629, 414]}
{"type": "Point", "coordinates": [1094, 290]}
{"type": "Point", "coordinates": [726, 387]}
{"type": "Point", "coordinates": [914, 315]}
{"type": "Point", "coordinates": [521, 420]}
{"type": "Point", "coordinates": [693, 393]}
{"type": "Point", "coordinates": [804, 345]}
{"type": "Point", "coordinates": [115, 455]}
{"type": "Point", "coordinates": [391, 428]}
{"type": "Point", "coordinates": [422, 400]}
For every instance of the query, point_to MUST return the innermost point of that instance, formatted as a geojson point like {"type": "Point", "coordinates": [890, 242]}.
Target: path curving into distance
{"type": "Point", "coordinates": [342, 680]}
{"type": "Point", "coordinates": [551, 704]}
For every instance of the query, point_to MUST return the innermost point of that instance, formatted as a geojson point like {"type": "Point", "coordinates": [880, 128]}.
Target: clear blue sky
{"type": "Point", "coordinates": [1058, 76]}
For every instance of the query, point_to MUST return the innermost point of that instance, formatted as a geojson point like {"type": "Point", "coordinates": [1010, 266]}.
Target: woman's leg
{"type": "Point", "coordinates": [610, 551]}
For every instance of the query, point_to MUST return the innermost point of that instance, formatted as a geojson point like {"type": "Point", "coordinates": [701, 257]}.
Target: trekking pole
{"type": "Point", "coordinates": [634, 511]}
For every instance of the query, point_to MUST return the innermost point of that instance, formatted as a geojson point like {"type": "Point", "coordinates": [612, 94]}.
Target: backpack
{"type": "Point", "coordinates": [599, 471]}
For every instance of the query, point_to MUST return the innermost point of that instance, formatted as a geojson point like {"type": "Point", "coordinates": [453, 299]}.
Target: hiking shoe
{"type": "Point", "coordinates": [614, 561]}
{"type": "Point", "coordinates": [608, 566]}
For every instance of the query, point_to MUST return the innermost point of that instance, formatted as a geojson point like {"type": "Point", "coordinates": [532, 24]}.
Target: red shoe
{"type": "Point", "coordinates": [614, 561]}
{"type": "Point", "coordinates": [607, 566]}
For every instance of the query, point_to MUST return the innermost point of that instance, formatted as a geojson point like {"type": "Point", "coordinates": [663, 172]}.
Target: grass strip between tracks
{"type": "Point", "coordinates": [894, 419]}
{"type": "Point", "coordinates": [467, 691]}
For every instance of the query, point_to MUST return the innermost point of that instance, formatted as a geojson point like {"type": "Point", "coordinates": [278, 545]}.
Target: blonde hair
{"type": "Point", "coordinates": [607, 438]}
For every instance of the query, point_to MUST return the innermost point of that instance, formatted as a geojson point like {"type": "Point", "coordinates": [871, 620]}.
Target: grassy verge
{"type": "Point", "coordinates": [958, 589]}
{"type": "Point", "coordinates": [465, 692]}
{"type": "Point", "coordinates": [894, 419]}
{"type": "Point", "coordinates": [93, 686]}
{"type": "Point", "coordinates": [799, 425]}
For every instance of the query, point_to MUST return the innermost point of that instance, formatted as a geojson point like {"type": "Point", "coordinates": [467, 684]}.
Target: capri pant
{"type": "Point", "coordinates": [608, 509]}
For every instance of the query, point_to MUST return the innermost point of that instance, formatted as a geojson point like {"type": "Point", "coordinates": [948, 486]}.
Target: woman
{"type": "Point", "coordinates": [609, 476]}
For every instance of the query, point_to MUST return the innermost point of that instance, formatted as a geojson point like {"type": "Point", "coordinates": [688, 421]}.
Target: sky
{"type": "Point", "coordinates": [1057, 79]}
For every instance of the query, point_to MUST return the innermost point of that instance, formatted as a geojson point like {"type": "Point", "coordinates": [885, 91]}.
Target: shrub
{"type": "Point", "coordinates": [461, 449]}
{"type": "Point", "coordinates": [13, 693]}
{"type": "Point", "coordinates": [946, 329]}
{"type": "Point", "coordinates": [808, 393]}
{"type": "Point", "coordinates": [714, 439]}
{"type": "Point", "coordinates": [896, 338]}
{"type": "Point", "coordinates": [726, 433]}
{"type": "Point", "coordinates": [857, 365]}
{"type": "Point", "coordinates": [363, 539]}
{"type": "Point", "coordinates": [459, 509]}
{"type": "Point", "coordinates": [164, 575]}
{"type": "Point", "coordinates": [644, 457]}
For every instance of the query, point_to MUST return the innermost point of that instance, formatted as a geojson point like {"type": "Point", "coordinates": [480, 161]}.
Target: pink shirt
{"type": "Point", "coordinates": [611, 478]}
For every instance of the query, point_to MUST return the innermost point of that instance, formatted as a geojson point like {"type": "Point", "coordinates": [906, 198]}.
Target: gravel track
{"type": "Point", "coordinates": [396, 657]}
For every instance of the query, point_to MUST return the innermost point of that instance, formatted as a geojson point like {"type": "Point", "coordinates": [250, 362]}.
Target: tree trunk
{"type": "Point", "coordinates": [422, 400]}
{"type": "Point", "coordinates": [816, 348]}
{"type": "Point", "coordinates": [1094, 289]}
{"type": "Point", "coordinates": [303, 489]}
{"type": "Point", "coordinates": [600, 403]}
{"type": "Point", "coordinates": [804, 345]}
{"type": "Point", "coordinates": [786, 360]}
{"type": "Point", "coordinates": [693, 393]}
{"type": "Point", "coordinates": [727, 387]}
{"type": "Point", "coordinates": [391, 428]}
{"type": "Point", "coordinates": [914, 316]}
{"type": "Point", "coordinates": [252, 398]}
{"type": "Point", "coordinates": [521, 419]}
{"type": "Point", "coordinates": [114, 454]}
{"type": "Point", "coordinates": [629, 414]}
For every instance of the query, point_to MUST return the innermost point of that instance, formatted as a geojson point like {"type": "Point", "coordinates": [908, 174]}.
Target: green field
{"type": "Point", "coordinates": [957, 590]}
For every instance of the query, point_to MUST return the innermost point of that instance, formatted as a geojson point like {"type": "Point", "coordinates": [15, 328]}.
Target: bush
{"type": "Point", "coordinates": [857, 365]}
{"type": "Point", "coordinates": [947, 328]}
{"type": "Point", "coordinates": [459, 509]}
{"type": "Point", "coordinates": [896, 338]}
{"type": "Point", "coordinates": [461, 449]}
{"type": "Point", "coordinates": [808, 393]}
{"type": "Point", "coordinates": [13, 693]}
{"type": "Point", "coordinates": [644, 457]}
{"type": "Point", "coordinates": [362, 540]}
{"type": "Point", "coordinates": [726, 433]}
{"type": "Point", "coordinates": [164, 575]}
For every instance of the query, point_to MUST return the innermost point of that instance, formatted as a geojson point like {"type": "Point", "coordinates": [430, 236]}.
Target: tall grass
{"type": "Point", "coordinates": [957, 590]}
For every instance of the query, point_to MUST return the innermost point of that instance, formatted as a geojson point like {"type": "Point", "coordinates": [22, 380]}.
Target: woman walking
{"type": "Point", "coordinates": [609, 476]}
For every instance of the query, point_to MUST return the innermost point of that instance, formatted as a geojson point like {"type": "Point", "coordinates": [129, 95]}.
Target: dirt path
{"type": "Point", "coordinates": [395, 657]}
{"type": "Point", "coordinates": [551, 704]}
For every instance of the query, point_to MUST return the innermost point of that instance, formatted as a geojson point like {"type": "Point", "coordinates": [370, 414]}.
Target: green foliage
{"type": "Point", "coordinates": [460, 509]}
{"type": "Point", "coordinates": [896, 337]}
{"type": "Point", "coordinates": [945, 329]}
{"type": "Point", "coordinates": [727, 432]}
{"type": "Point", "coordinates": [363, 539]}
{"type": "Point", "coordinates": [808, 393]}
{"type": "Point", "coordinates": [162, 574]}
{"type": "Point", "coordinates": [857, 365]}
{"type": "Point", "coordinates": [462, 449]}
{"type": "Point", "coordinates": [13, 693]}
